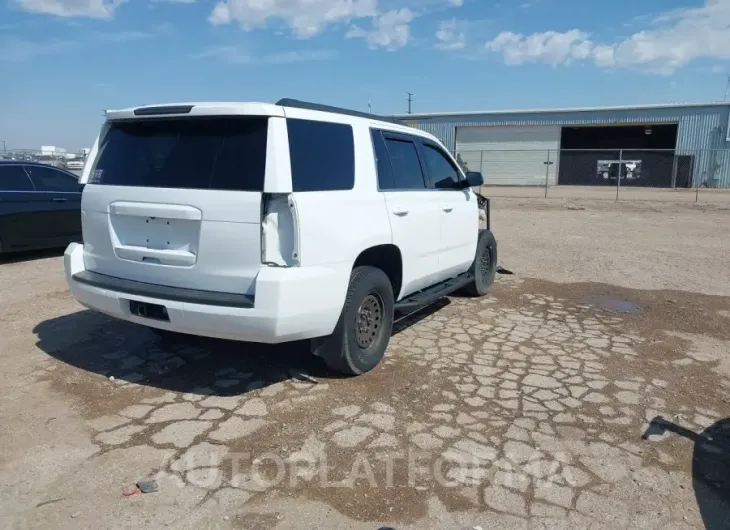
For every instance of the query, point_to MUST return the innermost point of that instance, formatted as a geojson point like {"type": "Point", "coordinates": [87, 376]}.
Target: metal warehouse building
{"type": "Point", "coordinates": [678, 145]}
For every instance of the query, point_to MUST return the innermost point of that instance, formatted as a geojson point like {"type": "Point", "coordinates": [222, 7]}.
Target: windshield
{"type": "Point", "coordinates": [227, 153]}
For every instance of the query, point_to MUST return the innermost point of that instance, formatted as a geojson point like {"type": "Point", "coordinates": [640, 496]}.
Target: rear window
{"type": "Point", "coordinates": [322, 155]}
{"type": "Point", "coordinates": [196, 153]}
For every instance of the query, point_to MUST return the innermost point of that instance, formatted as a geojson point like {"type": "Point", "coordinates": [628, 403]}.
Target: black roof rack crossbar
{"type": "Point", "coordinates": [297, 104]}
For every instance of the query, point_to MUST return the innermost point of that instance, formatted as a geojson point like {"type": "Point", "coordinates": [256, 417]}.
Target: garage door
{"type": "Point", "coordinates": [510, 156]}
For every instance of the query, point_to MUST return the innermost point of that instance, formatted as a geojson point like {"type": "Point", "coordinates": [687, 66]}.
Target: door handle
{"type": "Point", "coordinates": [448, 209]}
{"type": "Point", "coordinates": [400, 212]}
{"type": "Point", "coordinates": [59, 199]}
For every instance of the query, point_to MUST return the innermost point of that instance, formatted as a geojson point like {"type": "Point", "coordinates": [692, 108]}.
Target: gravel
{"type": "Point", "coordinates": [637, 245]}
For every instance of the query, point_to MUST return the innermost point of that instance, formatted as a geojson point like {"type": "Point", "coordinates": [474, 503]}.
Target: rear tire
{"type": "Point", "coordinates": [484, 268]}
{"type": "Point", "coordinates": [363, 331]}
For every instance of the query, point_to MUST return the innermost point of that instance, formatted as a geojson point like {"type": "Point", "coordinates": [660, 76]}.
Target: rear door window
{"type": "Point", "coordinates": [322, 155]}
{"type": "Point", "coordinates": [49, 179]}
{"type": "Point", "coordinates": [441, 171]}
{"type": "Point", "coordinates": [192, 153]}
{"type": "Point", "coordinates": [14, 178]}
{"type": "Point", "coordinates": [407, 171]}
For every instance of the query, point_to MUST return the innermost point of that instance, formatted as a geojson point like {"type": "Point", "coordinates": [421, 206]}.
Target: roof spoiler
{"type": "Point", "coordinates": [163, 110]}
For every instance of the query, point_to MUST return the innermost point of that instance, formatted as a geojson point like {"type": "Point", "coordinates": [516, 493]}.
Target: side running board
{"type": "Point", "coordinates": [431, 294]}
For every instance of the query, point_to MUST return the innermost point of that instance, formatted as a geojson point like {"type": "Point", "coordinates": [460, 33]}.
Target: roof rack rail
{"type": "Point", "coordinates": [297, 104]}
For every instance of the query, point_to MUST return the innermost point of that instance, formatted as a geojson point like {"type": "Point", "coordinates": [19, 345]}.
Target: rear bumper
{"type": "Point", "coordinates": [290, 303]}
{"type": "Point", "coordinates": [162, 292]}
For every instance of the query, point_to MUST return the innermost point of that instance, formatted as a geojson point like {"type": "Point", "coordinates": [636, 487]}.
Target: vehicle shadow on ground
{"type": "Point", "coordinates": [710, 468]}
{"type": "Point", "coordinates": [30, 255]}
{"type": "Point", "coordinates": [132, 353]}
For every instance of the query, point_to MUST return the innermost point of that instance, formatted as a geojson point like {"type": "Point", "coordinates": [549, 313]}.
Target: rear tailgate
{"type": "Point", "coordinates": [176, 201]}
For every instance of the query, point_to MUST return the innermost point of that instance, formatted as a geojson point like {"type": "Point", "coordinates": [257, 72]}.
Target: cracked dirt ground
{"type": "Point", "coordinates": [530, 408]}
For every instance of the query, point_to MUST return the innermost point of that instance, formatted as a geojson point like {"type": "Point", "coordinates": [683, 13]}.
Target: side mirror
{"type": "Point", "coordinates": [474, 179]}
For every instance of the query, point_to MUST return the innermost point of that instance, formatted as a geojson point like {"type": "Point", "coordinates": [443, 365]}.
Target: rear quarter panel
{"type": "Point", "coordinates": [336, 226]}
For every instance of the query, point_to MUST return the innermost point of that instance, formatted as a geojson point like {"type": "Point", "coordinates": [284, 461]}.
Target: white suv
{"type": "Point", "coordinates": [275, 223]}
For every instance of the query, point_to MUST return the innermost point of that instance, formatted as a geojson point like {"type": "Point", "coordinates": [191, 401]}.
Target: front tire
{"type": "Point", "coordinates": [484, 268]}
{"type": "Point", "coordinates": [363, 331]}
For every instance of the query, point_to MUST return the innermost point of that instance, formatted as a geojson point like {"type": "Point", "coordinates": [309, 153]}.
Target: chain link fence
{"type": "Point", "coordinates": [618, 174]}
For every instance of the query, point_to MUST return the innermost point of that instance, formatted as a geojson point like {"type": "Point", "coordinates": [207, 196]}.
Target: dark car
{"type": "Point", "coordinates": [40, 206]}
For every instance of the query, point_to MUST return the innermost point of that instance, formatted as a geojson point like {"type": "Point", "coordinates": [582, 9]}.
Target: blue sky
{"type": "Point", "coordinates": [63, 61]}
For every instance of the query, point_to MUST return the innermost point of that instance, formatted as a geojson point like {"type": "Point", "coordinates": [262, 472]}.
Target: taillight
{"type": "Point", "coordinates": [279, 231]}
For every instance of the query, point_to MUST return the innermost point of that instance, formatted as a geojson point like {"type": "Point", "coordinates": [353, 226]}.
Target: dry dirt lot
{"type": "Point", "coordinates": [530, 408]}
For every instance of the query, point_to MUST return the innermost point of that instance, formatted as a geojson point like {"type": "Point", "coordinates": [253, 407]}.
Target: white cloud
{"type": "Point", "coordinates": [683, 35]}
{"type": "Point", "coordinates": [236, 55]}
{"type": "Point", "coordinates": [450, 36]}
{"type": "Point", "coordinates": [103, 9]}
{"type": "Point", "coordinates": [455, 3]}
{"type": "Point", "coordinates": [306, 18]}
{"type": "Point", "coordinates": [390, 30]}
{"type": "Point", "coordinates": [604, 56]}
{"type": "Point", "coordinates": [549, 47]}
{"type": "Point", "coordinates": [674, 39]}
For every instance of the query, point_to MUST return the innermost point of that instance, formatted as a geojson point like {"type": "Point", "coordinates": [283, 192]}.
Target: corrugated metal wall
{"type": "Point", "coordinates": [701, 128]}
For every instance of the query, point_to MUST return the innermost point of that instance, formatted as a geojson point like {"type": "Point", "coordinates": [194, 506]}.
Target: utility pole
{"type": "Point", "coordinates": [5, 150]}
{"type": "Point", "coordinates": [727, 88]}
{"type": "Point", "coordinates": [410, 101]}
{"type": "Point", "coordinates": [370, 107]}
